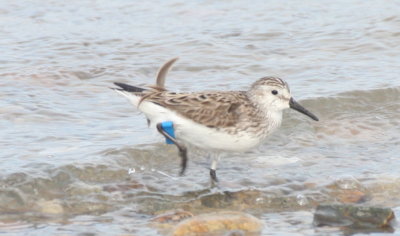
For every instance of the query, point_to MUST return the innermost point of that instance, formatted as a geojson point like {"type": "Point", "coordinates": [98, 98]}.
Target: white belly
{"type": "Point", "coordinates": [207, 138]}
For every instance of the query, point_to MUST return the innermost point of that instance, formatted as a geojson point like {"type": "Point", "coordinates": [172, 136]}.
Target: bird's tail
{"type": "Point", "coordinates": [128, 88]}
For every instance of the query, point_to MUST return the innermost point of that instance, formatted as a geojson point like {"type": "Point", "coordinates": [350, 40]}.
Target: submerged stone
{"type": "Point", "coordinates": [351, 196]}
{"type": "Point", "coordinates": [166, 221]}
{"type": "Point", "coordinates": [53, 207]}
{"type": "Point", "coordinates": [218, 200]}
{"type": "Point", "coordinates": [353, 217]}
{"type": "Point", "coordinates": [12, 200]}
{"type": "Point", "coordinates": [172, 217]}
{"type": "Point", "coordinates": [123, 187]}
{"type": "Point", "coordinates": [219, 223]}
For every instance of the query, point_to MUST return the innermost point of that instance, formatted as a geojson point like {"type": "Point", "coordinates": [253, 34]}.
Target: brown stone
{"type": "Point", "coordinates": [351, 196]}
{"type": "Point", "coordinates": [218, 223]}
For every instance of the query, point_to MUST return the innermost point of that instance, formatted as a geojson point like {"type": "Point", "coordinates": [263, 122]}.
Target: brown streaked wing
{"type": "Point", "coordinates": [211, 109]}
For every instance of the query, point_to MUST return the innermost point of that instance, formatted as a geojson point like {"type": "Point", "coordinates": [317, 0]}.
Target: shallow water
{"type": "Point", "coordinates": [77, 158]}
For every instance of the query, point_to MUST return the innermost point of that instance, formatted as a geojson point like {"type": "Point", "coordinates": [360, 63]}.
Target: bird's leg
{"type": "Point", "coordinates": [213, 170]}
{"type": "Point", "coordinates": [182, 149]}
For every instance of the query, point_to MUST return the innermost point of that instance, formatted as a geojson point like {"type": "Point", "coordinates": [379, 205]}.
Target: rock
{"type": "Point", "coordinates": [123, 187]}
{"type": "Point", "coordinates": [172, 217]}
{"type": "Point", "coordinates": [219, 223]}
{"type": "Point", "coordinates": [12, 200]}
{"type": "Point", "coordinates": [52, 207]}
{"type": "Point", "coordinates": [351, 196]}
{"type": "Point", "coordinates": [253, 199]}
{"type": "Point", "coordinates": [166, 222]}
{"type": "Point", "coordinates": [353, 217]}
{"type": "Point", "coordinates": [218, 200]}
{"type": "Point", "coordinates": [347, 190]}
{"type": "Point", "coordinates": [80, 188]}
{"type": "Point", "coordinates": [88, 207]}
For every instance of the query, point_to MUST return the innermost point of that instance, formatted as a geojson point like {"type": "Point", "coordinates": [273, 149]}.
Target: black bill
{"type": "Point", "coordinates": [296, 106]}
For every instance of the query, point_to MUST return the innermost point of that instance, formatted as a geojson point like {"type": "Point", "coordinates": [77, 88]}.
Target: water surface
{"type": "Point", "coordinates": [77, 158]}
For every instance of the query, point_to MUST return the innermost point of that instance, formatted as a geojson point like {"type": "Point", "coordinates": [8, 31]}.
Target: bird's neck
{"type": "Point", "coordinates": [273, 120]}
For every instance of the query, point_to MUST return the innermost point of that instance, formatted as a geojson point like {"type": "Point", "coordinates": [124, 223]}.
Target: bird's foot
{"type": "Point", "coordinates": [214, 179]}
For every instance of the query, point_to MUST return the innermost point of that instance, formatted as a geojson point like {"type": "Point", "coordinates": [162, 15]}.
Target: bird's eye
{"type": "Point", "coordinates": [274, 92]}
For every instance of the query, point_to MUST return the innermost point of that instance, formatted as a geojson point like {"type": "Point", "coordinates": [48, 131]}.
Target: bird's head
{"type": "Point", "coordinates": [273, 94]}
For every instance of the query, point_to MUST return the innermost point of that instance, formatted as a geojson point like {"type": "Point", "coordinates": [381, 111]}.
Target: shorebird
{"type": "Point", "coordinates": [216, 121]}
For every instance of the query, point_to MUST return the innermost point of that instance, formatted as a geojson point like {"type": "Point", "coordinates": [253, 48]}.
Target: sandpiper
{"type": "Point", "coordinates": [217, 121]}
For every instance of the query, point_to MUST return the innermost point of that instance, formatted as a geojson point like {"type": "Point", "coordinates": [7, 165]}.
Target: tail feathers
{"type": "Point", "coordinates": [162, 73]}
{"type": "Point", "coordinates": [129, 88]}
